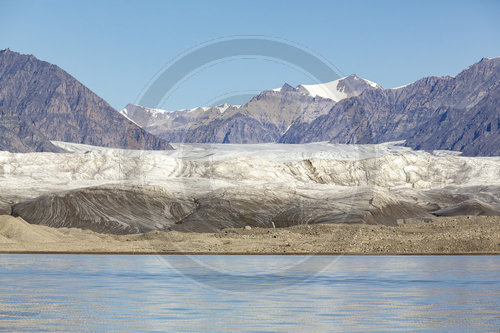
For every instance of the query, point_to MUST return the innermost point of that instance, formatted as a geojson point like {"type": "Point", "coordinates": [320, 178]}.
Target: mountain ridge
{"type": "Point", "coordinates": [405, 114]}
{"type": "Point", "coordinates": [356, 110]}
{"type": "Point", "coordinates": [265, 118]}
{"type": "Point", "coordinates": [40, 102]}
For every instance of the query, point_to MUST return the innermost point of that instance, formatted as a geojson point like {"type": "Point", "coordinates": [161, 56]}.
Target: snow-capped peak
{"type": "Point", "coordinates": [336, 90]}
{"type": "Point", "coordinates": [224, 107]}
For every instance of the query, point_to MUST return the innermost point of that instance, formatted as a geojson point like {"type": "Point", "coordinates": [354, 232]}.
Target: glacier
{"type": "Point", "coordinates": [207, 187]}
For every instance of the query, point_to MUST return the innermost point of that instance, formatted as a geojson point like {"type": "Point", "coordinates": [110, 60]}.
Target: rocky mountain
{"type": "Point", "coordinates": [458, 113]}
{"type": "Point", "coordinates": [173, 125]}
{"type": "Point", "coordinates": [40, 102]}
{"type": "Point", "coordinates": [338, 90]}
{"type": "Point", "coordinates": [452, 113]}
{"type": "Point", "coordinates": [474, 131]}
{"type": "Point", "coordinates": [264, 119]}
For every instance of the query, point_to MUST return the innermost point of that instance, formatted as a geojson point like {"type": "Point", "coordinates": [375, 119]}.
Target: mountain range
{"type": "Point", "coordinates": [40, 103]}
{"type": "Point", "coordinates": [440, 113]}
{"type": "Point", "coordinates": [458, 113]}
{"type": "Point", "coordinates": [265, 118]}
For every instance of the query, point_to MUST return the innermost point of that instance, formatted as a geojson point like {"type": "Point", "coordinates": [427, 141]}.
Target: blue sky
{"type": "Point", "coordinates": [117, 47]}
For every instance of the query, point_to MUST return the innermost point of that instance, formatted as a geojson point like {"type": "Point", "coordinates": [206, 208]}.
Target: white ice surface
{"type": "Point", "coordinates": [198, 167]}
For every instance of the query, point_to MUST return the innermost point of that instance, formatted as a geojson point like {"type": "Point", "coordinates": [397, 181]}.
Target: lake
{"type": "Point", "coordinates": [149, 293]}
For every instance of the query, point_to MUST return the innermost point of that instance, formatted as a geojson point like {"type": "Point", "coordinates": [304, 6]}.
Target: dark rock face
{"type": "Point", "coordinates": [40, 102]}
{"type": "Point", "coordinates": [238, 128]}
{"type": "Point", "coordinates": [453, 113]}
{"type": "Point", "coordinates": [474, 131]}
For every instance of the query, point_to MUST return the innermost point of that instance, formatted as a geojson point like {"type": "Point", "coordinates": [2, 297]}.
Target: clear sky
{"type": "Point", "coordinates": [116, 47]}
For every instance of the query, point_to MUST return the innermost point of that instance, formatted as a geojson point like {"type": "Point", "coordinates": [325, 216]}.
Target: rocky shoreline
{"type": "Point", "coordinates": [439, 235]}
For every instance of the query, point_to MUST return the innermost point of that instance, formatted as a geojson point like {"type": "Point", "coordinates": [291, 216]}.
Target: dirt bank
{"type": "Point", "coordinates": [440, 235]}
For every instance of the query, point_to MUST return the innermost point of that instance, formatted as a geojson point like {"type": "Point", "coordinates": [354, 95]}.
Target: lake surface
{"type": "Point", "coordinates": [249, 293]}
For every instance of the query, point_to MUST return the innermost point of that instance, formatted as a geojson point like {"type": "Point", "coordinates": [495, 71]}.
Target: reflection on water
{"type": "Point", "coordinates": [254, 293]}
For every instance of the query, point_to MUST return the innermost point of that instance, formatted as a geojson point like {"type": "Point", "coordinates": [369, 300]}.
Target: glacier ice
{"type": "Point", "coordinates": [203, 187]}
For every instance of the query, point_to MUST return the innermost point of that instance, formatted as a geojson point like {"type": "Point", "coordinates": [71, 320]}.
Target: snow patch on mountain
{"type": "Point", "coordinates": [124, 113]}
{"type": "Point", "coordinates": [404, 85]}
{"type": "Point", "coordinates": [336, 90]}
{"type": "Point", "coordinates": [165, 114]}
{"type": "Point", "coordinates": [154, 112]}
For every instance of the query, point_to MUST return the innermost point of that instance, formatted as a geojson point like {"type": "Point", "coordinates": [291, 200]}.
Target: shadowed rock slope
{"type": "Point", "coordinates": [116, 210]}
{"type": "Point", "coordinates": [447, 113]}
{"type": "Point", "coordinates": [128, 210]}
{"type": "Point", "coordinates": [40, 102]}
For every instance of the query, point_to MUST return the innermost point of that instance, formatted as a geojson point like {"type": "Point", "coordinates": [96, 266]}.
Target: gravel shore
{"type": "Point", "coordinates": [440, 235]}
